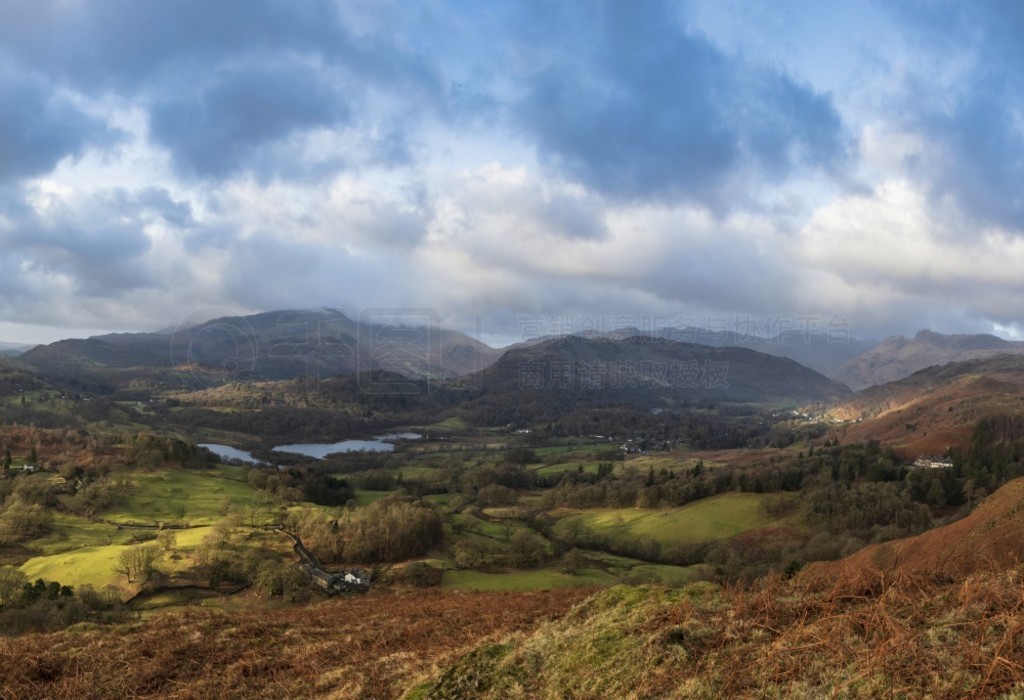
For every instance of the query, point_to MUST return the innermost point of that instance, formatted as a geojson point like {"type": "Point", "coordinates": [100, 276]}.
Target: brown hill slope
{"type": "Point", "coordinates": [367, 647]}
{"type": "Point", "coordinates": [991, 539]}
{"type": "Point", "coordinates": [933, 409]}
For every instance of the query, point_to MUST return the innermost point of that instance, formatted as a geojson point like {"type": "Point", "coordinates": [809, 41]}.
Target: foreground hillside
{"type": "Point", "coordinates": [368, 647]}
{"type": "Point", "coordinates": [939, 615]}
{"type": "Point", "coordinates": [989, 539]}
{"type": "Point", "coordinates": [910, 638]}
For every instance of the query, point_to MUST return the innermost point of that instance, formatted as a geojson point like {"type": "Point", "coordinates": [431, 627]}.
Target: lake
{"type": "Point", "coordinates": [380, 443]}
{"type": "Point", "coordinates": [228, 452]}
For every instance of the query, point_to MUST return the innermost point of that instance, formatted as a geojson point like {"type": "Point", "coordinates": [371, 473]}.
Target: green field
{"type": "Point", "coordinates": [708, 520]}
{"type": "Point", "coordinates": [183, 496]}
{"type": "Point", "coordinates": [532, 580]}
{"type": "Point", "coordinates": [626, 568]}
{"type": "Point", "coordinates": [451, 423]}
{"type": "Point", "coordinates": [365, 498]}
{"type": "Point", "coordinates": [495, 529]}
{"type": "Point", "coordinates": [567, 449]}
{"type": "Point", "coordinates": [588, 467]}
{"type": "Point", "coordinates": [94, 564]}
{"type": "Point", "coordinates": [71, 532]}
{"type": "Point", "coordinates": [86, 565]}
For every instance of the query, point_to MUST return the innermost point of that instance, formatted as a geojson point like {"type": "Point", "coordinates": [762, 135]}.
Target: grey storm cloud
{"type": "Point", "coordinates": [636, 107]}
{"type": "Point", "coordinates": [125, 45]}
{"type": "Point", "coordinates": [978, 125]}
{"type": "Point", "coordinates": [100, 244]}
{"type": "Point", "coordinates": [222, 81]}
{"type": "Point", "coordinates": [39, 128]}
{"type": "Point", "coordinates": [216, 131]}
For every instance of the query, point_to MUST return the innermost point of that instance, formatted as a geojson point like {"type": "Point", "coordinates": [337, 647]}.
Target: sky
{"type": "Point", "coordinates": [515, 167]}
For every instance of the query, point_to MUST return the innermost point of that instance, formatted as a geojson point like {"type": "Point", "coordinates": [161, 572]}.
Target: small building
{"type": "Point", "coordinates": [932, 463]}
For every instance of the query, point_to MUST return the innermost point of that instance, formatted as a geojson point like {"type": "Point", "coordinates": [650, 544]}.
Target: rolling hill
{"type": "Point", "coordinates": [647, 372]}
{"type": "Point", "coordinates": [897, 357]}
{"type": "Point", "coordinates": [935, 408]}
{"type": "Point", "coordinates": [818, 350]}
{"type": "Point", "coordinates": [988, 540]}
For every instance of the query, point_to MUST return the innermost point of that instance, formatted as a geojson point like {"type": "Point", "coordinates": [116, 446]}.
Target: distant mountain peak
{"type": "Point", "coordinates": [282, 344]}
{"type": "Point", "coordinates": [897, 357]}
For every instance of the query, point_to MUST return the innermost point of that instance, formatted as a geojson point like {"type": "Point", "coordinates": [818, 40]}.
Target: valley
{"type": "Point", "coordinates": [629, 468]}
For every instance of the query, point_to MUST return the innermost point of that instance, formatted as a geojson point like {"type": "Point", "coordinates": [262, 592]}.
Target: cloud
{"type": "Point", "coordinates": [496, 159]}
{"type": "Point", "coordinates": [927, 265]}
{"type": "Point", "coordinates": [220, 129]}
{"type": "Point", "coordinates": [636, 107]}
{"type": "Point", "coordinates": [135, 47]}
{"type": "Point", "coordinates": [38, 128]}
{"type": "Point", "coordinates": [972, 108]}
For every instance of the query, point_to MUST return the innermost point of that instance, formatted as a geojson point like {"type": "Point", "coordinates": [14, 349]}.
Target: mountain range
{"type": "Point", "coordinates": [897, 357]}
{"type": "Point", "coordinates": [326, 342]}
{"type": "Point", "coordinates": [655, 372]}
{"type": "Point", "coordinates": [273, 345]}
{"type": "Point", "coordinates": [821, 351]}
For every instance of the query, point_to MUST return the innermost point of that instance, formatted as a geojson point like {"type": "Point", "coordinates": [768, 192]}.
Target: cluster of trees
{"type": "Point", "coordinates": [525, 549]}
{"type": "Point", "coordinates": [667, 488]}
{"type": "Point", "coordinates": [301, 484]}
{"type": "Point", "coordinates": [228, 556]}
{"type": "Point", "coordinates": [390, 529]}
{"type": "Point", "coordinates": [46, 605]}
{"type": "Point", "coordinates": [145, 449]}
{"type": "Point", "coordinates": [136, 563]}
{"type": "Point", "coordinates": [25, 508]}
{"type": "Point", "coordinates": [281, 424]}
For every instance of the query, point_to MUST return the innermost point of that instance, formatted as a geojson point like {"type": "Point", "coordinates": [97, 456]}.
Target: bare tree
{"type": "Point", "coordinates": [137, 562]}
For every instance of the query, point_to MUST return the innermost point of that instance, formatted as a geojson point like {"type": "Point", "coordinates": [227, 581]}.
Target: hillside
{"type": "Point", "coordinates": [16, 377]}
{"type": "Point", "coordinates": [988, 540]}
{"type": "Point", "coordinates": [367, 647]}
{"type": "Point", "coordinates": [938, 615]}
{"type": "Point", "coordinates": [272, 345]}
{"type": "Point", "coordinates": [820, 351]}
{"type": "Point", "coordinates": [897, 357]}
{"type": "Point", "coordinates": [646, 372]}
{"type": "Point", "coordinates": [933, 409]}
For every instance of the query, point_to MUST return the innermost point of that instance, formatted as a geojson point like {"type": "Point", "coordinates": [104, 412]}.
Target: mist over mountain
{"type": "Point", "coordinates": [274, 345]}
{"type": "Point", "coordinates": [13, 349]}
{"type": "Point", "coordinates": [824, 352]}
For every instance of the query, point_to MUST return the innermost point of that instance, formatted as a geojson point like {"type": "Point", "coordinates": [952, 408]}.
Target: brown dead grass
{"type": "Point", "coordinates": [910, 637]}
{"type": "Point", "coordinates": [927, 415]}
{"type": "Point", "coordinates": [990, 539]}
{"type": "Point", "coordinates": [366, 647]}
